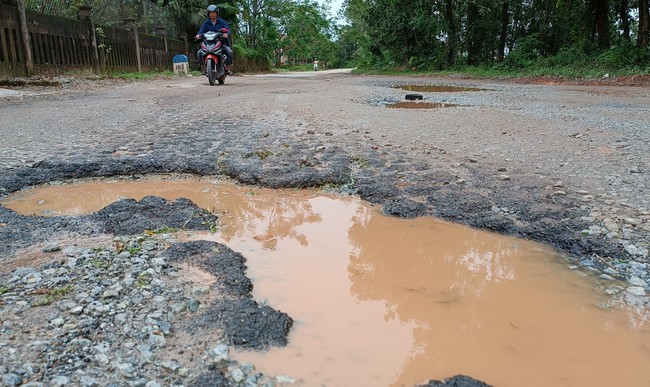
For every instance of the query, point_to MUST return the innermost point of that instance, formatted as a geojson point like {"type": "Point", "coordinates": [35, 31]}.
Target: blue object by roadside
{"type": "Point", "coordinates": [180, 58]}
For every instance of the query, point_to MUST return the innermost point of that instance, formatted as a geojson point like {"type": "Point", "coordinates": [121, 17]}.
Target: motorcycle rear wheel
{"type": "Point", "coordinates": [210, 71]}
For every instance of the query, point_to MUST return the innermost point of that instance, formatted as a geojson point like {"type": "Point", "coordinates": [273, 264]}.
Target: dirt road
{"type": "Point", "coordinates": [515, 152]}
{"type": "Point", "coordinates": [566, 165]}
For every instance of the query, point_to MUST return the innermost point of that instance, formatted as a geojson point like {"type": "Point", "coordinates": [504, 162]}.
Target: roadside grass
{"type": "Point", "coordinates": [568, 64]}
{"type": "Point", "coordinates": [493, 72]}
{"type": "Point", "coordinates": [576, 71]}
{"type": "Point", "coordinates": [568, 73]}
{"type": "Point", "coordinates": [301, 67]}
{"type": "Point", "coordinates": [143, 75]}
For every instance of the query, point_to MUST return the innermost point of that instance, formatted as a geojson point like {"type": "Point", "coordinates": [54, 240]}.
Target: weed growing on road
{"type": "Point", "coordinates": [50, 295]}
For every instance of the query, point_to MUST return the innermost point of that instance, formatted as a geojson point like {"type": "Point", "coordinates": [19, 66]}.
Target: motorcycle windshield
{"type": "Point", "coordinates": [210, 36]}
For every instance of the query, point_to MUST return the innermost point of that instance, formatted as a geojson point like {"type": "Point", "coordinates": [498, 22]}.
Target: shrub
{"type": "Point", "coordinates": [525, 53]}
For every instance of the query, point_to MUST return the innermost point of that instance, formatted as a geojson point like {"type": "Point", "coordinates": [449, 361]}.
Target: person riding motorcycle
{"type": "Point", "coordinates": [218, 25]}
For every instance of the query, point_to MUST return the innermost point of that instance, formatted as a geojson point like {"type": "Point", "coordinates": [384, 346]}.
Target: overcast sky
{"type": "Point", "coordinates": [335, 5]}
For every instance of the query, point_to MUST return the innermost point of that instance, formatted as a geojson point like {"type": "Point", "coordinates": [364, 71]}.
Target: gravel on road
{"type": "Point", "coordinates": [563, 164]}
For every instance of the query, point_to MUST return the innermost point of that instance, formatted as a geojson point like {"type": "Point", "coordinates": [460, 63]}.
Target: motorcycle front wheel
{"type": "Point", "coordinates": [222, 71]}
{"type": "Point", "coordinates": [210, 71]}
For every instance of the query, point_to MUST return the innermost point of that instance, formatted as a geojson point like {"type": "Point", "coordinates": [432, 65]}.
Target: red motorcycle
{"type": "Point", "coordinates": [214, 59]}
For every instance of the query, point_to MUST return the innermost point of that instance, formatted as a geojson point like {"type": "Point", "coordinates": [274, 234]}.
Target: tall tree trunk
{"type": "Point", "coordinates": [625, 18]}
{"type": "Point", "coordinates": [452, 33]}
{"type": "Point", "coordinates": [599, 21]}
{"type": "Point", "coordinates": [505, 21]}
{"type": "Point", "coordinates": [473, 33]}
{"type": "Point", "coordinates": [644, 24]}
{"type": "Point", "coordinates": [602, 23]}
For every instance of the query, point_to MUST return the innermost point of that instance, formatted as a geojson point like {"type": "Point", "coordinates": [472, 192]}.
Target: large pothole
{"type": "Point", "coordinates": [385, 301]}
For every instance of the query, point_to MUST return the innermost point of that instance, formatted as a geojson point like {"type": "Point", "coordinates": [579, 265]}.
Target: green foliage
{"type": "Point", "coordinates": [164, 230]}
{"type": "Point", "coordinates": [63, 8]}
{"type": "Point", "coordinates": [525, 53]}
{"type": "Point", "coordinates": [571, 56]}
{"type": "Point", "coordinates": [251, 60]}
{"type": "Point", "coordinates": [134, 250]}
{"type": "Point", "coordinates": [262, 30]}
{"type": "Point", "coordinates": [305, 32]}
{"type": "Point", "coordinates": [144, 279]}
{"type": "Point", "coordinates": [625, 56]}
{"type": "Point", "coordinates": [142, 75]}
{"type": "Point", "coordinates": [50, 295]}
{"type": "Point", "coordinates": [262, 154]}
{"type": "Point", "coordinates": [423, 35]}
{"type": "Point", "coordinates": [404, 35]}
{"type": "Point", "coordinates": [4, 289]}
{"type": "Point", "coordinates": [100, 264]}
{"type": "Point", "coordinates": [295, 67]}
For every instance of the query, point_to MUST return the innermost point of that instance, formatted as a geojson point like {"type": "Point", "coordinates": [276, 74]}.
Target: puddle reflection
{"type": "Point", "coordinates": [391, 302]}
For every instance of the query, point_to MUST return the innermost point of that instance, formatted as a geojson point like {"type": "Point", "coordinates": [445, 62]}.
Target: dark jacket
{"type": "Point", "coordinates": [216, 27]}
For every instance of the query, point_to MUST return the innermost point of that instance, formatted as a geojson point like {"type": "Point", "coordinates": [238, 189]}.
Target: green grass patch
{"type": "Point", "coordinates": [143, 75]}
{"type": "Point", "coordinates": [361, 161]}
{"type": "Point", "coordinates": [262, 154]}
{"type": "Point", "coordinates": [144, 279]}
{"type": "Point", "coordinates": [51, 295]}
{"type": "Point", "coordinates": [164, 230]}
{"type": "Point", "coordinates": [100, 264]}
{"type": "Point", "coordinates": [4, 289]}
{"type": "Point", "coordinates": [134, 250]}
{"type": "Point", "coordinates": [571, 63]}
{"type": "Point", "coordinates": [497, 72]}
{"type": "Point", "coordinates": [289, 68]}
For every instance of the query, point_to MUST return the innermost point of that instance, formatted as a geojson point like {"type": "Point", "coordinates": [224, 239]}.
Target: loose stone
{"type": "Point", "coordinates": [636, 290]}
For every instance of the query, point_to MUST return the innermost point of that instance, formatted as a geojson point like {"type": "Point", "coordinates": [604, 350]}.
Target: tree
{"type": "Point", "coordinates": [505, 22]}
{"type": "Point", "coordinates": [598, 11]}
{"type": "Point", "coordinates": [305, 31]}
{"type": "Point", "coordinates": [257, 18]}
{"type": "Point", "coordinates": [644, 24]}
{"type": "Point", "coordinates": [624, 15]}
{"type": "Point", "coordinates": [452, 32]}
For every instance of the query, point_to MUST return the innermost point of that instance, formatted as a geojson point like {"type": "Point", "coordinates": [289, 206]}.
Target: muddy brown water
{"type": "Point", "coordinates": [419, 105]}
{"type": "Point", "coordinates": [383, 301]}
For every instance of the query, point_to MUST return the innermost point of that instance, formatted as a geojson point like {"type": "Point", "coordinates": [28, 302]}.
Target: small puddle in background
{"type": "Point", "coordinates": [419, 105]}
{"type": "Point", "coordinates": [384, 301]}
{"type": "Point", "coordinates": [437, 88]}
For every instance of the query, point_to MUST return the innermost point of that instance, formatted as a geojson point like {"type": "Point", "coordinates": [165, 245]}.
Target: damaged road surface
{"type": "Point", "coordinates": [112, 297]}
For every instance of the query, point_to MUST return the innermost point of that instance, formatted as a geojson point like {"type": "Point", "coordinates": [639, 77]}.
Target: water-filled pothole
{"type": "Point", "coordinates": [385, 301]}
{"type": "Point", "coordinates": [419, 105]}
{"type": "Point", "coordinates": [437, 88]}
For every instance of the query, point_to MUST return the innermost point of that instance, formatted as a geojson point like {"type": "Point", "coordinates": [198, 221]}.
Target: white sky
{"type": "Point", "coordinates": [335, 5]}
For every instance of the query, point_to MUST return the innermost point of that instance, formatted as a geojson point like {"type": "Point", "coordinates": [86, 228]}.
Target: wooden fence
{"type": "Point", "coordinates": [58, 45]}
